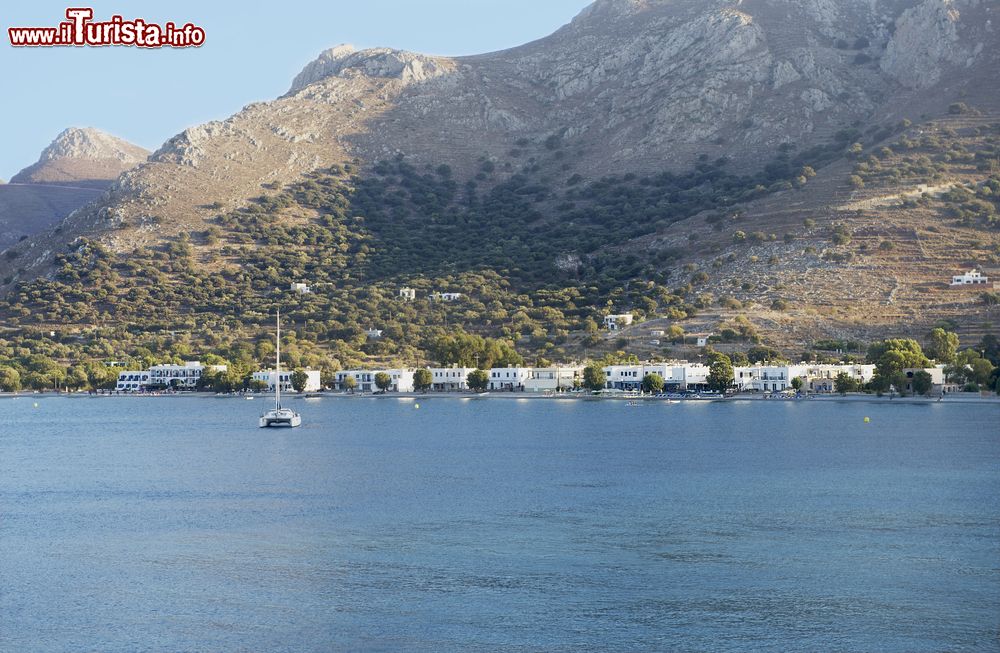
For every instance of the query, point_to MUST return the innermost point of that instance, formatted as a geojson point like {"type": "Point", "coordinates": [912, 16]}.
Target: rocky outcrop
{"type": "Point", "coordinates": [925, 42]}
{"type": "Point", "coordinates": [82, 157]}
{"type": "Point", "coordinates": [344, 61]}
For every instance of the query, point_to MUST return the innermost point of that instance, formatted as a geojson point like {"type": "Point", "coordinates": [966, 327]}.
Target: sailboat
{"type": "Point", "coordinates": [279, 416]}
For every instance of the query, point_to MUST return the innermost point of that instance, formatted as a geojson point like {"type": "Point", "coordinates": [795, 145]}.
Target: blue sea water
{"type": "Point", "coordinates": [174, 524]}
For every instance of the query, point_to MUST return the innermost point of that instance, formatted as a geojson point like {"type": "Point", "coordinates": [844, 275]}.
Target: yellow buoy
{"type": "Point", "coordinates": [416, 405]}
{"type": "Point", "coordinates": [36, 404]}
{"type": "Point", "coordinates": [867, 420]}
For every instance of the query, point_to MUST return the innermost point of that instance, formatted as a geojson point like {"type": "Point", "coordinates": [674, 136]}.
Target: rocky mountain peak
{"type": "Point", "coordinates": [345, 61]}
{"type": "Point", "coordinates": [82, 156]}
{"type": "Point", "coordinates": [90, 143]}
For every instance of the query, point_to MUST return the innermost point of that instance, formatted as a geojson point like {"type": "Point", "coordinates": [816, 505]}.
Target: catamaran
{"type": "Point", "coordinates": [279, 416]}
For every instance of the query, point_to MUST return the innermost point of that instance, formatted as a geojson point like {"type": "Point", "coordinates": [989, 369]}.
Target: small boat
{"type": "Point", "coordinates": [279, 417]}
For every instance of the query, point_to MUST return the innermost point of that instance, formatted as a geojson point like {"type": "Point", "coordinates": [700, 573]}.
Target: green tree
{"type": "Point", "coordinates": [299, 379]}
{"type": "Point", "coordinates": [922, 383]}
{"type": "Point", "coordinates": [652, 383]}
{"type": "Point", "coordinates": [10, 379]}
{"type": "Point", "coordinates": [762, 353]}
{"type": "Point", "coordinates": [891, 357]}
{"type": "Point", "coordinates": [845, 383]}
{"type": "Point", "coordinates": [349, 383]}
{"type": "Point", "coordinates": [797, 383]}
{"type": "Point", "coordinates": [423, 380]}
{"type": "Point", "coordinates": [593, 377]}
{"type": "Point", "coordinates": [942, 345]}
{"type": "Point", "coordinates": [478, 380]}
{"type": "Point", "coordinates": [720, 373]}
{"type": "Point", "coordinates": [383, 381]}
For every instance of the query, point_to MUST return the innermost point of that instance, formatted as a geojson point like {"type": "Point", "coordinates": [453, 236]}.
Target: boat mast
{"type": "Point", "coordinates": [277, 379]}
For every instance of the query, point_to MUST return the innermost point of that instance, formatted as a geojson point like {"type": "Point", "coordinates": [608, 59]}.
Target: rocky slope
{"type": "Point", "coordinates": [627, 86]}
{"type": "Point", "coordinates": [82, 157]}
{"type": "Point", "coordinates": [71, 172]}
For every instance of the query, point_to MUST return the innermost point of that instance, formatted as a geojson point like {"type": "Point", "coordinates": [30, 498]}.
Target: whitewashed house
{"type": "Point", "coordinates": [509, 378]}
{"type": "Point", "coordinates": [552, 379]}
{"type": "Point", "coordinates": [374, 334]}
{"type": "Point", "coordinates": [616, 322]}
{"type": "Point", "coordinates": [269, 377]}
{"type": "Point", "coordinates": [184, 377]}
{"type": "Point", "coordinates": [970, 278]}
{"type": "Point", "coordinates": [407, 294]}
{"type": "Point", "coordinates": [132, 381]}
{"type": "Point", "coordinates": [364, 380]}
{"type": "Point", "coordinates": [446, 296]}
{"type": "Point", "coordinates": [301, 288]}
{"type": "Point", "coordinates": [450, 379]}
{"type": "Point", "coordinates": [766, 378]}
{"type": "Point", "coordinates": [676, 375]}
{"type": "Point", "coordinates": [821, 378]}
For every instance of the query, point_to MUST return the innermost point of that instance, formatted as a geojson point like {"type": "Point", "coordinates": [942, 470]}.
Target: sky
{"type": "Point", "coordinates": [251, 53]}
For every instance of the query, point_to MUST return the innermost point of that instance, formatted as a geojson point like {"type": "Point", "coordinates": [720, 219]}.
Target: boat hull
{"type": "Point", "coordinates": [282, 419]}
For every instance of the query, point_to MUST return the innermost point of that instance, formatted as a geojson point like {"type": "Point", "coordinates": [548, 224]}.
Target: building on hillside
{"type": "Point", "coordinates": [446, 296]}
{"type": "Point", "coordinates": [182, 377]}
{"type": "Point", "coordinates": [617, 322]}
{"type": "Point", "coordinates": [450, 379]}
{"type": "Point", "coordinates": [511, 379]}
{"type": "Point", "coordinates": [553, 379]}
{"type": "Point", "coordinates": [268, 377]}
{"type": "Point", "coordinates": [132, 381]}
{"type": "Point", "coordinates": [970, 278]}
{"type": "Point", "coordinates": [407, 294]}
{"type": "Point", "coordinates": [374, 334]}
{"type": "Point", "coordinates": [301, 288]}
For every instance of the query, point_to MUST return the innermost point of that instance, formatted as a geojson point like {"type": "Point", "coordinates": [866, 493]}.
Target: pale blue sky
{"type": "Point", "coordinates": [252, 52]}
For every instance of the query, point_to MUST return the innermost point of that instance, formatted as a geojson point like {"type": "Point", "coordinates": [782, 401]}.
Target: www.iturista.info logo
{"type": "Point", "coordinates": [80, 30]}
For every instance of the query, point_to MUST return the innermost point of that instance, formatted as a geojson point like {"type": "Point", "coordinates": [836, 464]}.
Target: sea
{"type": "Point", "coordinates": [442, 524]}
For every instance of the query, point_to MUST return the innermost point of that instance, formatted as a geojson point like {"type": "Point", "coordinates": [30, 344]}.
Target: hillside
{"type": "Point", "coordinates": [83, 158]}
{"type": "Point", "coordinates": [723, 167]}
{"type": "Point", "coordinates": [71, 172]}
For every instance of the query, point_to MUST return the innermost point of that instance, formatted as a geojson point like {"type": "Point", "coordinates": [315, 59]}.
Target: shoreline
{"type": "Point", "coordinates": [955, 398]}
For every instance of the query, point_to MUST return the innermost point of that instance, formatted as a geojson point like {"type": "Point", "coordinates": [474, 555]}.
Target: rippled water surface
{"type": "Point", "coordinates": [173, 524]}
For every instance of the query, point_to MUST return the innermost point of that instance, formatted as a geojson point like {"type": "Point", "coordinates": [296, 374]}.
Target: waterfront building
{"type": "Point", "coordinates": [268, 377]}
{"type": "Point", "coordinates": [676, 375]}
{"type": "Point", "coordinates": [364, 380]}
{"type": "Point", "coordinates": [551, 379]}
{"type": "Point", "coordinates": [182, 377]}
{"type": "Point", "coordinates": [450, 379]}
{"type": "Point", "coordinates": [509, 378]}
{"type": "Point", "coordinates": [132, 381]}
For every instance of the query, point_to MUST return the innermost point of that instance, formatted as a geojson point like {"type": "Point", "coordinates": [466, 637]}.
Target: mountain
{"type": "Point", "coordinates": [82, 157]}
{"type": "Point", "coordinates": [72, 171]}
{"type": "Point", "coordinates": [702, 162]}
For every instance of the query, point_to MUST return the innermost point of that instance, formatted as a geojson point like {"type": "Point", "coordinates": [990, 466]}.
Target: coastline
{"type": "Point", "coordinates": [955, 398]}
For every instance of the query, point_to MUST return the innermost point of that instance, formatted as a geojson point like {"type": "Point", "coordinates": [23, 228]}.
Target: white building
{"type": "Point", "coordinates": [616, 322]}
{"type": "Point", "coordinates": [450, 379]}
{"type": "Point", "coordinates": [509, 378]}
{"type": "Point", "coordinates": [301, 288]}
{"type": "Point", "coordinates": [766, 378]}
{"type": "Point", "coordinates": [970, 278]}
{"type": "Point", "coordinates": [374, 334]}
{"type": "Point", "coordinates": [313, 382]}
{"type": "Point", "coordinates": [446, 296]}
{"type": "Point", "coordinates": [132, 381]}
{"type": "Point", "coordinates": [657, 333]}
{"type": "Point", "coordinates": [184, 376]}
{"type": "Point", "coordinates": [407, 294]}
{"type": "Point", "coordinates": [551, 379]}
{"type": "Point", "coordinates": [678, 375]}
{"type": "Point", "coordinates": [821, 378]}
{"type": "Point", "coordinates": [364, 380]}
